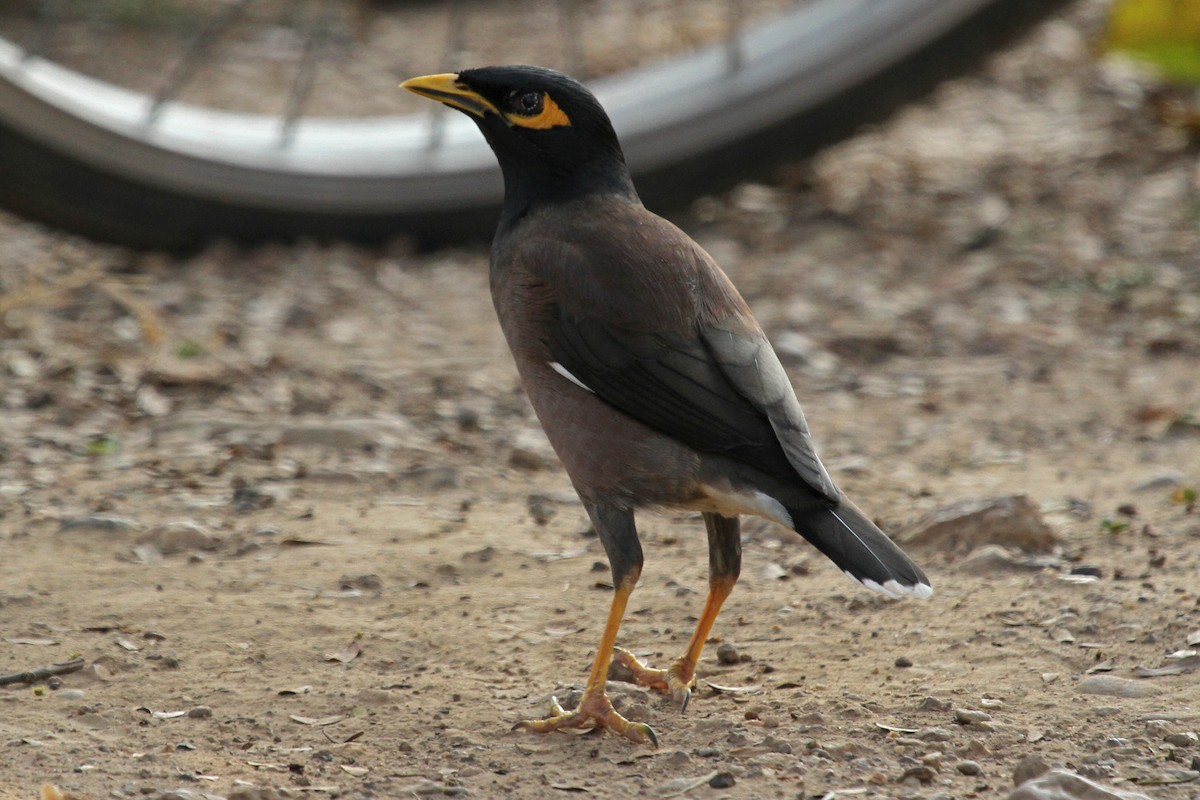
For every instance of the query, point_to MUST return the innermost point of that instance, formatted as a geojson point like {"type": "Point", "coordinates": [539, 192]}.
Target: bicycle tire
{"type": "Point", "coordinates": [73, 153]}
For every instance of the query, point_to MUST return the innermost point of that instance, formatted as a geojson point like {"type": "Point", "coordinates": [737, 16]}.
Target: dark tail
{"type": "Point", "coordinates": [861, 550]}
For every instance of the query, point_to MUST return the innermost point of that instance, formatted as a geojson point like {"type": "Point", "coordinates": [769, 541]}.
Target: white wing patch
{"type": "Point", "coordinates": [731, 502]}
{"type": "Point", "coordinates": [566, 373]}
{"type": "Point", "coordinates": [893, 588]}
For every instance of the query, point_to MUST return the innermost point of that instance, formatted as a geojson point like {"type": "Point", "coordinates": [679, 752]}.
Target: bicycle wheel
{"type": "Point", "coordinates": [123, 165]}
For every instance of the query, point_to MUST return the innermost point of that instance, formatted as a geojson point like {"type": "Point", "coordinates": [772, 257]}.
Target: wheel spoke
{"type": "Point", "coordinates": [456, 41]}
{"type": "Point", "coordinates": [196, 53]}
{"type": "Point", "coordinates": [301, 89]}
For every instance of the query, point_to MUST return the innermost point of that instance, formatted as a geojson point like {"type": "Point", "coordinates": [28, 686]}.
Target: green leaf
{"type": "Point", "coordinates": [1114, 526]}
{"type": "Point", "coordinates": [189, 348]}
{"type": "Point", "coordinates": [102, 445]}
{"type": "Point", "coordinates": [1163, 33]}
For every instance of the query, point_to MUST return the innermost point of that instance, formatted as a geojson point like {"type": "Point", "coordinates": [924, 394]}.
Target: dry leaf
{"type": "Point", "coordinates": [347, 653]}
{"type": "Point", "coordinates": [678, 786]}
{"type": "Point", "coordinates": [562, 631]}
{"type": "Point", "coordinates": [37, 641]}
{"type": "Point", "coordinates": [320, 722]}
{"type": "Point", "coordinates": [1180, 667]}
{"type": "Point", "coordinates": [1062, 635]}
{"type": "Point", "coordinates": [719, 689]}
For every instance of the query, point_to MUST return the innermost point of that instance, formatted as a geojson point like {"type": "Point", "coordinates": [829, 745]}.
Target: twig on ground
{"type": "Point", "coordinates": [41, 673]}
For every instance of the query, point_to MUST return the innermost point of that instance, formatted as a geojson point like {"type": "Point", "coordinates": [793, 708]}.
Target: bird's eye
{"type": "Point", "coordinates": [529, 103]}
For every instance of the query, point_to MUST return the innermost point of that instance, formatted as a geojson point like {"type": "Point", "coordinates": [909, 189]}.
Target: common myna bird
{"type": "Point", "coordinates": [652, 379]}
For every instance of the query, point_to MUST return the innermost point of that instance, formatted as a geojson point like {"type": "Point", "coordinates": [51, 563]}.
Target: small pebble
{"type": "Point", "coordinates": [71, 694]}
{"type": "Point", "coordinates": [727, 654]}
{"type": "Point", "coordinates": [200, 712]}
{"type": "Point", "coordinates": [1161, 481]}
{"type": "Point", "coordinates": [934, 735]}
{"type": "Point", "coordinates": [970, 717]}
{"type": "Point", "coordinates": [101, 523]}
{"type": "Point", "coordinates": [968, 767]}
{"type": "Point", "coordinates": [923, 774]}
{"type": "Point", "coordinates": [777, 745]}
{"type": "Point", "coordinates": [679, 759]}
{"type": "Point", "coordinates": [933, 704]}
{"type": "Point", "coordinates": [1112, 686]}
{"type": "Point", "coordinates": [722, 780]}
{"type": "Point", "coordinates": [638, 712]}
{"type": "Point", "coordinates": [904, 661]}
{"type": "Point", "coordinates": [1187, 739]}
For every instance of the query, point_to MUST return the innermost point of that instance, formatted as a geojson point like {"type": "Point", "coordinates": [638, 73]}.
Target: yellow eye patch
{"type": "Point", "coordinates": [550, 116]}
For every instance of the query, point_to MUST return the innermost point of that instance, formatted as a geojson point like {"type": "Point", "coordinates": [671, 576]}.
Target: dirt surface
{"type": "Point", "coordinates": [292, 511]}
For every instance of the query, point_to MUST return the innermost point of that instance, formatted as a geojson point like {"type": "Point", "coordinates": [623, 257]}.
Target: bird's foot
{"type": "Point", "coordinates": [676, 681]}
{"type": "Point", "coordinates": [595, 710]}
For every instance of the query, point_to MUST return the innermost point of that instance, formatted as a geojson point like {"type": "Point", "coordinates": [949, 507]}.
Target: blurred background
{"type": "Point", "coordinates": [244, 318]}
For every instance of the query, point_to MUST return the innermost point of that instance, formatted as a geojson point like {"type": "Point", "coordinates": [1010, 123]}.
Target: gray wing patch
{"type": "Point", "coordinates": [754, 370]}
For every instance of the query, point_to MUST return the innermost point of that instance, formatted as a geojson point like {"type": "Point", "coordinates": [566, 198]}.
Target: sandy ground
{"type": "Point", "coordinates": [291, 510]}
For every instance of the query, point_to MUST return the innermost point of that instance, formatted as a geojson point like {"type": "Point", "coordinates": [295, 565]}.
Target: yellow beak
{"type": "Point", "coordinates": [446, 88]}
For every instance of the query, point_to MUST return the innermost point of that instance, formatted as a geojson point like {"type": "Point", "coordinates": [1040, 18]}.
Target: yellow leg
{"type": "Point", "coordinates": [595, 709]}
{"type": "Point", "coordinates": [677, 680]}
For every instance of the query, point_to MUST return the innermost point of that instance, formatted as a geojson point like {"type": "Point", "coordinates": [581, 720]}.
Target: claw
{"type": "Point", "coordinates": [594, 711]}
{"type": "Point", "coordinates": [676, 681]}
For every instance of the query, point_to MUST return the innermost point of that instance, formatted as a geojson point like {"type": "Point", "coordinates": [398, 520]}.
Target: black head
{"type": "Point", "coordinates": [550, 134]}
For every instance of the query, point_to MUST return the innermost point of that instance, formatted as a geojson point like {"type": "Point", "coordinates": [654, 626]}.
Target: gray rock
{"type": "Point", "coordinates": [1011, 521]}
{"type": "Point", "coordinates": [993, 559]}
{"type": "Point", "coordinates": [1186, 739]}
{"type": "Point", "coordinates": [349, 434]}
{"type": "Point", "coordinates": [1061, 784]}
{"type": "Point", "coordinates": [727, 654]}
{"type": "Point", "coordinates": [432, 478]}
{"type": "Point", "coordinates": [930, 703]}
{"type": "Point", "coordinates": [969, 767]}
{"type": "Point", "coordinates": [1029, 768]}
{"type": "Point", "coordinates": [97, 523]}
{"type": "Point", "coordinates": [1112, 686]}
{"type": "Point", "coordinates": [1163, 480]}
{"type": "Point", "coordinates": [934, 735]}
{"type": "Point", "coordinates": [722, 780]}
{"type": "Point", "coordinates": [178, 537]}
{"type": "Point", "coordinates": [968, 716]}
